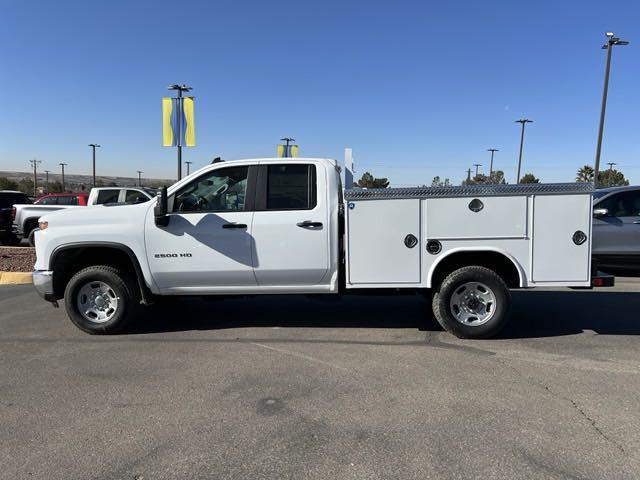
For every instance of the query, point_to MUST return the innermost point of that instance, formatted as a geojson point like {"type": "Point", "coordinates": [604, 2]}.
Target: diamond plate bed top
{"type": "Point", "coordinates": [469, 191]}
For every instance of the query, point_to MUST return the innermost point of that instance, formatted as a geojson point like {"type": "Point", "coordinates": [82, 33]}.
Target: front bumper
{"type": "Point", "coordinates": [43, 283]}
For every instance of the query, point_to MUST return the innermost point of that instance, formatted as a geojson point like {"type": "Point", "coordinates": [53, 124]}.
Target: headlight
{"type": "Point", "coordinates": [43, 225]}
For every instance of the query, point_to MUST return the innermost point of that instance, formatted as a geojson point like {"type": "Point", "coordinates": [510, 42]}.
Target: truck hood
{"type": "Point", "coordinates": [97, 215]}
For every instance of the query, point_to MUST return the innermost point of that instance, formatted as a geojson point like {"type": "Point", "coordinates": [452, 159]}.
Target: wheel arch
{"type": "Point", "coordinates": [67, 259]}
{"type": "Point", "coordinates": [503, 263]}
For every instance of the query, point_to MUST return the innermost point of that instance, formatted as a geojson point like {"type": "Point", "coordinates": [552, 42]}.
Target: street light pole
{"type": "Point", "coordinates": [180, 89]}
{"type": "Point", "coordinates": [93, 146]}
{"type": "Point", "coordinates": [522, 121]}
{"type": "Point", "coordinates": [46, 172]}
{"type": "Point", "coordinates": [287, 141]}
{"type": "Point", "coordinates": [62, 165]}
{"type": "Point", "coordinates": [188, 164]}
{"type": "Point", "coordinates": [611, 164]}
{"type": "Point", "coordinates": [34, 163]}
{"type": "Point", "coordinates": [492, 150]}
{"type": "Point", "coordinates": [608, 46]}
{"type": "Point", "coordinates": [140, 172]}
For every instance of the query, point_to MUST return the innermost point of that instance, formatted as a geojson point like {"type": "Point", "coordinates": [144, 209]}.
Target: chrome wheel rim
{"type": "Point", "coordinates": [473, 304]}
{"type": "Point", "coordinates": [97, 302]}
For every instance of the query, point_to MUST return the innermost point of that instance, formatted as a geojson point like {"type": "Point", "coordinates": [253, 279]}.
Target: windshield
{"type": "Point", "coordinates": [600, 194]}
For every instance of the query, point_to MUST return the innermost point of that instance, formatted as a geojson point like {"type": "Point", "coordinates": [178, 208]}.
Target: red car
{"type": "Point", "coordinates": [63, 199]}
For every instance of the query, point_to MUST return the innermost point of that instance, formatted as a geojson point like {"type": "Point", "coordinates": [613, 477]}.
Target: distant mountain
{"type": "Point", "coordinates": [85, 182]}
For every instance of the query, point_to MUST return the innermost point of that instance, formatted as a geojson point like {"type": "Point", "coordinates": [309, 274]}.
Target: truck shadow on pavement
{"type": "Point", "coordinates": [534, 313]}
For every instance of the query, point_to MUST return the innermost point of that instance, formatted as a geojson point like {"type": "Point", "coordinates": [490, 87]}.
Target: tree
{"type": "Point", "coordinates": [26, 185]}
{"type": "Point", "coordinates": [585, 174]}
{"type": "Point", "coordinates": [496, 178]}
{"type": "Point", "coordinates": [6, 184]}
{"type": "Point", "coordinates": [55, 187]}
{"type": "Point", "coordinates": [611, 178]}
{"type": "Point", "coordinates": [436, 182]}
{"type": "Point", "coordinates": [529, 178]}
{"type": "Point", "coordinates": [606, 178]}
{"type": "Point", "coordinates": [369, 181]}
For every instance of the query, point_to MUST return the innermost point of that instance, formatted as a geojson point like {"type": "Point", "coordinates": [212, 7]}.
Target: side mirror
{"type": "Point", "coordinates": [600, 212]}
{"type": "Point", "coordinates": [160, 210]}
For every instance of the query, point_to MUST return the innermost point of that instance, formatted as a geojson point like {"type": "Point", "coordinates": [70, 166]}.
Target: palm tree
{"type": "Point", "coordinates": [585, 174]}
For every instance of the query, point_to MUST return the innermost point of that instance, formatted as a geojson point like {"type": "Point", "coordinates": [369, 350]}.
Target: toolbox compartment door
{"type": "Point", "coordinates": [556, 256]}
{"type": "Point", "coordinates": [377, 230]}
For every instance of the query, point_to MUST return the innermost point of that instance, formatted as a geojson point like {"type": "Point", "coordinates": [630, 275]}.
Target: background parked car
{"type": "Point", "coordinates": [26, 217]}
{"type": "Point", "coordinates": [79, 199]}
{"type": "Point", "coordinates": [616, 229]}
{"type": "Point", "coordinates": [8, 198]}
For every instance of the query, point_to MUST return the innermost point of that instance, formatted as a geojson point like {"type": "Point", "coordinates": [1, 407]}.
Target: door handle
{"type": "Point", "coordinates": [637, 222]}
{"type": "Point", "coordinates": [309, 224]}
{"type": "Point", "coordinates": [234, 225]}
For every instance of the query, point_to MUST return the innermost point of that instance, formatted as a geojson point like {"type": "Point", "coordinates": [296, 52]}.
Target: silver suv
{"type": "Point", "coordinates": [616, 229]}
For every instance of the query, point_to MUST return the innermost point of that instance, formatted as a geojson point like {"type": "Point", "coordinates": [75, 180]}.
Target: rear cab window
{"type": "Point", "coordinates": [291, 187]}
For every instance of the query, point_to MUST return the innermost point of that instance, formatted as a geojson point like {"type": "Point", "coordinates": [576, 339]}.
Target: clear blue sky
{"type": "Point", "coordinates": [417, 89]}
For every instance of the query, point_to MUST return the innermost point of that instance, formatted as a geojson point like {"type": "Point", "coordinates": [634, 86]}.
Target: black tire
{"type": "Point", "coordinates": [122, 287]}
{"type": "Point", "coordinates": [453, 284]}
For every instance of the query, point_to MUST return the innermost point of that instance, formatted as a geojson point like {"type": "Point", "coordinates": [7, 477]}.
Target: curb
{"type": "Point", "coordinates": [15, 278]}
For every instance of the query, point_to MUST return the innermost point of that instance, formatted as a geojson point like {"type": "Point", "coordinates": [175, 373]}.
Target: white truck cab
{"type": "Point", "coordinates": [269, 226]}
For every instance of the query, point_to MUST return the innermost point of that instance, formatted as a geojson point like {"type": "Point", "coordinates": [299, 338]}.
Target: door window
{"type": "Point", "coordinates": [107, 196]}
{"type": "Point", "coordinates": [624, 204]}
{"type": "Point", "coordinates": [69, 200]}
{"type": "Point", "coordinates": [49, 201]}
{"type": "Point", "coordinates": [223, 190]}
{"type": "Point", "coordinates": [291, 187]}
{"type": "Point", "coordinates": [134, 196]}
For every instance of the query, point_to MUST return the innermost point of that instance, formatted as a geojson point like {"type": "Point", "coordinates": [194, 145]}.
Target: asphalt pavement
{"type": "Point", "coordinates": [298, 388]}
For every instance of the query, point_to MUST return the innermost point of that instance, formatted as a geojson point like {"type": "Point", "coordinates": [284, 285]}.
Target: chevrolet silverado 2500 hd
{"type": "Point", "coordinates": [283, 226]}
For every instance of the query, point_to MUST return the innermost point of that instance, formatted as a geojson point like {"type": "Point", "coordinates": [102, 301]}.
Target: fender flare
{"type": "Point", "coordinates": [508, 256]}
{"type": "Point", "coordinates": [145, 293]}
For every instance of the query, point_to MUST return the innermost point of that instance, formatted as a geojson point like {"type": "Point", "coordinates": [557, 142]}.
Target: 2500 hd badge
{"type": "Point", "coordinates": [172, 255]}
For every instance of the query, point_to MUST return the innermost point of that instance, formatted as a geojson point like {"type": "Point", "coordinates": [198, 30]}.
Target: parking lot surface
{"type": "Point", "coordinates": [358, 388]}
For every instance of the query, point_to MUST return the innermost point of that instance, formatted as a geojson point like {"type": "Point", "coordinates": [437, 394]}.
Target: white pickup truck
{"type": "Point", "coordinates": [26, 217]}
{"type": "Point", "coordinates": [285, 226]}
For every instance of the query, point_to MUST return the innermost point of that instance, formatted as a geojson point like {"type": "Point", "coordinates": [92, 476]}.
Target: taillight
{"type": "Point", "coordinates": [13, 213]}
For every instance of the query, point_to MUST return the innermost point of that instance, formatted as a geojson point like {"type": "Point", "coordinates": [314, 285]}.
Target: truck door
{"type": "Point", "coordinates": [291, 225]}
{"type": "Point", "coordinates": [616, 235]}
{"type": "Point", "coordinates": [207, 243]}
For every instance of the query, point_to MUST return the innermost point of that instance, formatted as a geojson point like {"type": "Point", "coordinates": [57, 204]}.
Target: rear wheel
{"type": "Point", "coordinates": [472, 302]}
{"type": "Point", "coordinates": [99, 300]}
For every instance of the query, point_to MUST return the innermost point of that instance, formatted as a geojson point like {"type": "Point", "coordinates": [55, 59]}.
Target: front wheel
{"type": "Point", "coordinates": [100, 300]}
{"type": "Point", "coordinates": [472, 302]}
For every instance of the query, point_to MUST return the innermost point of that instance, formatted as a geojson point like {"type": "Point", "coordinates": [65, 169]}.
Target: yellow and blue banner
{"type": "Point", "coordinates": [286, 151]}
{"type": "Point", "coordinates": [178, 122]}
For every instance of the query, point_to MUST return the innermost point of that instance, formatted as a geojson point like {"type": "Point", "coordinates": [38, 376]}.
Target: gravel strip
{"type": "Point", "coordinates": [17, 259]}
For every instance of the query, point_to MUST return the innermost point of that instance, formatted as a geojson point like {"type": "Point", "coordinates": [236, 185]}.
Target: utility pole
{"type": "Point", "coordinates": [34, 163]}
{"type": "Point", "coordinates": [94, 146]}
{"type": "Point", "coordinates": [522, 121]}
{"type": "Point", "coordinates": [608, 46]}
{"type": "Point", "coordinates": [46, 172]}
{"type": "Point", "coordinates": [62, 165]}
{"type": "Point", "coordinates": [140, 172]}
{"type": "Point", "coordinates": [188, 164]}
{"type": "Point", "coordinates": [468, 176]}
{"type": "Point", "coordinates": [611, 164]}
{"type": "Point", "coordinates": [492, 150]}
{"type": "Point", "coordinates": [180, 89]}
{"type": "Point", "coordinates": [477, 165]}
{"type": "Point", "coordinates": [287, 140]}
